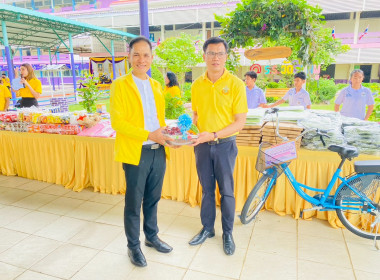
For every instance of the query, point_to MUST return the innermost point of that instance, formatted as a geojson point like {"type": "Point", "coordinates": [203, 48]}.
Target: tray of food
{"type": "Point", "coordinates": [182, 131]}
{"type": "Point", "coordinates": [179, 139]}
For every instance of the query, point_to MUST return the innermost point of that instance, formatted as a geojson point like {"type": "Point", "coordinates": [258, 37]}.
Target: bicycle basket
{"type": "Point", "coordinates": [273, 156]}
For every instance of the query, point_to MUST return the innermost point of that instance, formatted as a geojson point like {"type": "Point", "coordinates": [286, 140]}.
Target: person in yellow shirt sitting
{"type": "Point", "coordinates": [33, 88]}
{"type": "Point", "coordinates": [5, 95]}
{"type": "Point", "coordinates": [172, 85]}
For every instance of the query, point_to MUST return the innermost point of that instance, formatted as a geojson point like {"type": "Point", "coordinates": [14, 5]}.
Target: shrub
{"type": "Point", "coordinates": [157, 75]}
{"type": "Point", "coordinates": [173, 107]}
{"type": "Point", "coordinates": [321, 90]}
{"type": "Point", "coordinates": [186, 92]}
{"type": "Point", "coordinates": [89, 93]}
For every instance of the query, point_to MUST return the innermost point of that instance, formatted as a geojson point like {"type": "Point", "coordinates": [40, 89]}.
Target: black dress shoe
{"type": "Point", "coordinates": [159, 245]}
{"type": "Point", "coordinates": [228, 244]}
{"type": "Point", "coordinates": [137, 257]}
{"type": "Point", "coordinates": [202, 236]}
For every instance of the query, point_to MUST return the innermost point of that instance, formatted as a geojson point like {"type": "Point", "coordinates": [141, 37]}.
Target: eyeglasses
{"type": "Point", "coordinates": [214, 54]}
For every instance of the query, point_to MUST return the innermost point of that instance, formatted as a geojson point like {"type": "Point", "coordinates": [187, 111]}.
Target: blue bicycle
{"type": "Point", "coordinates": [356, 200]}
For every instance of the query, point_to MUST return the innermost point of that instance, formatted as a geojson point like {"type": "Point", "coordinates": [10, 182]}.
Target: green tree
{"type": "Point", "coordinates": [178, 54]}
{"type": "Point", "coordinates": [292, 23]}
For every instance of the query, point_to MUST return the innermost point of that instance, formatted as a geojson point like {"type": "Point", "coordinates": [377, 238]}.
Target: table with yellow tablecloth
{"type": "Point", "coordinates": [80, 162]}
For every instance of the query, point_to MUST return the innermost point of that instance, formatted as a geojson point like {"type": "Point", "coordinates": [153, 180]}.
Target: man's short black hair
{"type": "Point", "coordinates": [300, 75]}
{"type": "Point", "coordinates": [214, 40]}
{"type": "Point", "coordinates": [252, 74]}
{"type": "Point", "coordinates": [139, 39]}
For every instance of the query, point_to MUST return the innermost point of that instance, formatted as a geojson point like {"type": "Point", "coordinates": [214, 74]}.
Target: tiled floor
{"type": "Point", "coordinates": [48, 232]}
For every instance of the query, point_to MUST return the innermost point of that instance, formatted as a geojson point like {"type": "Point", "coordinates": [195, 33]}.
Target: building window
{"type": "Point", "coordinates": [329, 73]}
{"type": "Point", "coordinates": [367, 69]}
{"type": "Point", "coordinates": [154, 28]}
{"type": "Point", "coordinates": [134, 30]}
{"type": "Point", "coordinates": [370, 14]}
{"type": "Point", "coordinates": [188, 26]}
{"type": "Point", "coordinates": [337, 16]}
{"type": "Point", "coordinates": [38, 4]}
{"type": "Point", "coordinates": [168, 27]}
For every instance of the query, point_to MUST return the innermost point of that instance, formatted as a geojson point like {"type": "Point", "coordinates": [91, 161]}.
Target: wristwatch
{"type": "Point", "coordinates": [215, 136]}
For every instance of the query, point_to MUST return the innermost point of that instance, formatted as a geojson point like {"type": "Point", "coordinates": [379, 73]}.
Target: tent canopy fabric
{"type": "Point", "coordinates": [30, 28]}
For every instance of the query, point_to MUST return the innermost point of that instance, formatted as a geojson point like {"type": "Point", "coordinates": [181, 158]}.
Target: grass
{"type": "Point", "coordinates": [78, 107]}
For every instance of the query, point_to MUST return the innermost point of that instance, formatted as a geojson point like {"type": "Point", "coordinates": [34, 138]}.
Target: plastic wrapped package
{"type": "Point", "coordinates": [287, 116]}
{"type": "Point", "coordinates": [323, 120]}
{"type": "Point", "coordinates": [365, 137]}
{"type": "Point", "coordinates": [255, 116]}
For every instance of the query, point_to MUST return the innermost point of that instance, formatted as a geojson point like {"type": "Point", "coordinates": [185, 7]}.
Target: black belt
{"type": "Point", "coordinates": [222, 140]}
{"type": "Point", "coordinates": [154, 146]}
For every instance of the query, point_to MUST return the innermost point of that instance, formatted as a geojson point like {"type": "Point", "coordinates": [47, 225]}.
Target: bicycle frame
{"type": "Point", "coordinates": [325, 201]}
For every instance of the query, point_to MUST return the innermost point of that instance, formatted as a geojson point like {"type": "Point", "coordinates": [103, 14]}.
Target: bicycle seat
{"type": "Point", "coordinates": [344, 151]}
{"type": "Point", "coordinates": [367, 166]}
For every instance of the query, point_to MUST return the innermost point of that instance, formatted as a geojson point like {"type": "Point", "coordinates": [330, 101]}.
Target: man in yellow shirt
{"type": "Point", "coordinates": [137, 108]}
{"type": "Point", "coordinates": [5, 96]}
{"type": "Point", "coordinates": [219, 108]}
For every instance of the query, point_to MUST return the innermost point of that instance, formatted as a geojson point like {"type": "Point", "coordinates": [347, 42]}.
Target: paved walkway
{"type": "Point", "coordinates": [48, 232]}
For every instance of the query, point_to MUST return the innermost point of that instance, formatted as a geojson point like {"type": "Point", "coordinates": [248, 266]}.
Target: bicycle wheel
{"type": "Point", "coordinates": [359, 220]}
{"type": "Point", "coordinates": [257, 198]}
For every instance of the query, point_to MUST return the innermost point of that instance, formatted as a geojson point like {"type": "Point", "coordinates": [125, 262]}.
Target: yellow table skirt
{"type": "Point", "coordinates": [79, 162]}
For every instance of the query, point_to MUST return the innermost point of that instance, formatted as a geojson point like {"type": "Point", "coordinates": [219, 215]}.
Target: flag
{"type": "Point", "coordinates": [333, 32]}
{"type": "Point", "coordinates": [364, 33]}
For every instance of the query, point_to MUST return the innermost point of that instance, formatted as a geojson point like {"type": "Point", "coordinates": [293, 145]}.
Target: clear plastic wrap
{"type": "Point", "coordinates": [328, 121]}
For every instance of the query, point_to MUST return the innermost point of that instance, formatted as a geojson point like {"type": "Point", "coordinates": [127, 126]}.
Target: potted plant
{"type": "Point", "coordinates": [89, 93]}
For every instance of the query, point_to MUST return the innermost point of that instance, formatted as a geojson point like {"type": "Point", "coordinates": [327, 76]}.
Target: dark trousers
{"type": "Point", "coordinates": [217, 163]}
{"type": "Point", "coordinates": [28, 102]}
{"type": "Point", "coordinates": [144, 186]}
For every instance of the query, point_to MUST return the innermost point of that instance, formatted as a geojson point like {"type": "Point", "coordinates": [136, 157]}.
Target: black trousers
{"type": "Point", "coordinates": [144, 186]}
{"type": "Point", "coordinates": [217, 163]}
{"type": "Point", "coordinates": [28, 102]}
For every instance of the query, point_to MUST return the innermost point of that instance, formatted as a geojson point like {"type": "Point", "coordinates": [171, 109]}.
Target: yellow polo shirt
{"type": "Point", "coordinates": [4, 93]}
{"type": "Point", "coordinates": [25, 92]}
{"type": "Point", "coordinates": [174, 91]}
{"type": "Point", "coordinates": [7, 82]}
{"type": "Point", "coordinates": [217, 103]}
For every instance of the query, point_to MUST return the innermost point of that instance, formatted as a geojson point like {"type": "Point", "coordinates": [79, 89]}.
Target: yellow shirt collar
{"type": "Point", "coordinates": [225, 74]}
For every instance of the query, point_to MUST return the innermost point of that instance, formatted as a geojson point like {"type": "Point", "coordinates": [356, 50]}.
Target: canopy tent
{"type": "Point", "coordinates": [55, 68]}
{"type": "Point", "coordinates": [23, 27]}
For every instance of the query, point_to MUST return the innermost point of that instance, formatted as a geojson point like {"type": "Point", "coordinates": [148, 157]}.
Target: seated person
{"type": "Point", "coordinates": [297, 96]}
{"type": "Point", "coordinates": [255, 95]}
{"type": "Point", "coordinates": [5, 96]}
{"type": "Point", "coordinates": [355, 98]}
